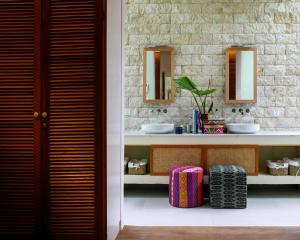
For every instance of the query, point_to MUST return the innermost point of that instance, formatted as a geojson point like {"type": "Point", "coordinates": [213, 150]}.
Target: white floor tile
{"type": "Point", "coordinates": [265, 208]}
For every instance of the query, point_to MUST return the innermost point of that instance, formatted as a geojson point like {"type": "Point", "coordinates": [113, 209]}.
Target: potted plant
{"type": "Point", "coordinates": [200, 96]}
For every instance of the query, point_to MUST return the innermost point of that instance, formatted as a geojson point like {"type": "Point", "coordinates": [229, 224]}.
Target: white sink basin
{"type": "Point", "coordinates": [158, 128]}
{"type": "Point", "coordinates": [242, 127]}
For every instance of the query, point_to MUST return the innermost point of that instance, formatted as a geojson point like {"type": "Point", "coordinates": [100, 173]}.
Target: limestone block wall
{"type": "Point", "coordinates": [200, 31]}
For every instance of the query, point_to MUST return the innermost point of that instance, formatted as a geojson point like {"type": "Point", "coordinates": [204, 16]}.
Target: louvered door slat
{"type": "Point", "coordinates": [71, 75]}
{"type": "Point", "coordinates": [19, 132]}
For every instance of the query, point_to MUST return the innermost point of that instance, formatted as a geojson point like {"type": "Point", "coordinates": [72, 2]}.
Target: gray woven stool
{"type": "Point", "coordinates": [228, 186]}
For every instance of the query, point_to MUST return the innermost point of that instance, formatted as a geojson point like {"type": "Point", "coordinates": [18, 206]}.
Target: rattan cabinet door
{"type": "Point", "coordinates": [163, 157]}
{"type": "Point", "coordinates": [244, 156]}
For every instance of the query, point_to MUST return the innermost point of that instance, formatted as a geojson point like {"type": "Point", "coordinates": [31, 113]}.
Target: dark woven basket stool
{"type": "Point", "coordinates": [228, 186]}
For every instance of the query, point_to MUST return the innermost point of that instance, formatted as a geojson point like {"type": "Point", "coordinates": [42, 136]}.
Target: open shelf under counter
{"type": "Point", "coordinates": [262, 178]}
{"type": "Point", "coordinates": [250, 151]}
{"type": "Point", "coordinates": [262, 138]}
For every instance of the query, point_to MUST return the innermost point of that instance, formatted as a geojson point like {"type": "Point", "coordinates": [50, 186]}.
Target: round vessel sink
{"type": "Point", "coordinates": [158, 128]}
{"type": "Point", "coordinates": [243, 127]}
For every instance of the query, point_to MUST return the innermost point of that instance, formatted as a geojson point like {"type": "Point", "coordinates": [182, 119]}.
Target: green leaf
{"type": "Point", "coordinates": [206, 92]}
{"type": "Point", "coordinates": [185, 83]}
{"type": "Point", "coordinates": [211, 107]}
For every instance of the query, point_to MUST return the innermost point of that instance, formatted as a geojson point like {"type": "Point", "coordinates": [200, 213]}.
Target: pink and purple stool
{"type": "Point", "coordinates": [185, 186]}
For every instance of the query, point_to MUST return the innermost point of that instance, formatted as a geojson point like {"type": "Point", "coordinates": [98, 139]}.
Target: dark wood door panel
{"type": "Point", "coordinates": [50, 185]}
{"type": "Point", "coordinates": [72, 67]}
{"type": "Point", "coordinates": [19, 131]}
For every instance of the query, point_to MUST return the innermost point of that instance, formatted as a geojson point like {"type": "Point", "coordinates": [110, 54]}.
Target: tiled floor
{"type": "Point", "coordinates": [149, 206]}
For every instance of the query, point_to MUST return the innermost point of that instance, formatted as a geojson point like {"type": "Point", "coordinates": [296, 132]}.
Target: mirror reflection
{"type": "Point", "coordinates": [158, 74]}
{"type": "Point", "coordinates": [241, 75]}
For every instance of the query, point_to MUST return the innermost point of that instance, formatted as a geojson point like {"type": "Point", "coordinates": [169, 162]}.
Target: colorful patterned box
{"type": "Point", "coordinates": [214, 122]}
{"type": "Point", "coordinates": [185, 186]}
{"type": "Point", "coordinates": [213, 129]}
{"type": "Point", "coordinates": [214, 126]}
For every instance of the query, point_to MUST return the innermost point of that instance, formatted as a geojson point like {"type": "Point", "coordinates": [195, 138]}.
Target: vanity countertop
{"type": "Point", "coordinates": [261, 138]}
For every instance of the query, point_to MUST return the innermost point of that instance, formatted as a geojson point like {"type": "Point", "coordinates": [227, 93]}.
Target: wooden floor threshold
{"type": "Point", "coordinates": [209, 233]}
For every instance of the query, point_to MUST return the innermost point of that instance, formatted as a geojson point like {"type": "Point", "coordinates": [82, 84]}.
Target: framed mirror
{"type": "Point", "coordinates": [158, 75]}
{"type": "Point", "coordinates": [241, 74]}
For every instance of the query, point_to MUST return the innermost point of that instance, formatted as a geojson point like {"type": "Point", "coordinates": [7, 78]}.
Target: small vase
{"type": "Point", "coordinates": [202, 118]}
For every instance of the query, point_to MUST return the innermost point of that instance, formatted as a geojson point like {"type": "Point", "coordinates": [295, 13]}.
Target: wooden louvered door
{"type": "Point", "coordinates": [52, 165]}
{"type": "Point", "coordinates": [19, 131]}
{"type": "Point", "coordinates": [73, 73]}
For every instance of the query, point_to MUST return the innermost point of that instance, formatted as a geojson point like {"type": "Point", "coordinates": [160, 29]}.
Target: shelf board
{"type": "Point", "coordinates": [262, 178]}
{"type": "Point", "coordinates": [145, 179]}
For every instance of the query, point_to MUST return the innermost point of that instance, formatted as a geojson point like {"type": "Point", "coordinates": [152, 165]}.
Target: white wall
{"type": "Point", "coordinates": [114, 117]}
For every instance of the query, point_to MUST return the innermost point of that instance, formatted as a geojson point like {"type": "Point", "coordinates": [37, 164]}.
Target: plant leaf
{"type": "Point", "coordinates": [206, 92]}
{"type": "Point", "coordinates": [211, 107]}
{"type": "Point", "coordinates": [185, 83]}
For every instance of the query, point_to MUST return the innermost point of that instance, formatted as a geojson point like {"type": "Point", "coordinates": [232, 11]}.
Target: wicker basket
{"type": "Point", "coordinates": [278, 168]}
{"type": "Point", "coordinates": [294, 167]}
{"type": "Point", "coordinates": [137, 167]}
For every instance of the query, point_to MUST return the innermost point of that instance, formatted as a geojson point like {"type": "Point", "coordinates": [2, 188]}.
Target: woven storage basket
{"type": "Point", "coordinates": [137, 167]}
{"type": "Point", "coordinates": [294, 167]}
{"type": "Point", "coordinates": [278, 168]}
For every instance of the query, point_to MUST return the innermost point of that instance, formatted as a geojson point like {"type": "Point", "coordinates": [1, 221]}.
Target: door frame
{"type": "Point", "coordinates": [115, 125]}
{"type": "Point", "coordinates": [101, 118]}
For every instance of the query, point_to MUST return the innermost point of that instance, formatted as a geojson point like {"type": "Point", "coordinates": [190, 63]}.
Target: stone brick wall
{"type": "Point", "coordinates": [200, 31]}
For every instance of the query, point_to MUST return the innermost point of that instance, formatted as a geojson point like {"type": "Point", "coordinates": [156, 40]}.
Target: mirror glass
{"type": "Point", "coordinates": [158, 75]}
{"type": "Point", "coordinates": [241, 75]}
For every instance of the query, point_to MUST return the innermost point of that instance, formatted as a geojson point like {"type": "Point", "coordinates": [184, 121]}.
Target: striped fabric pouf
{"type": "Point", "coordinates": [185, 186]}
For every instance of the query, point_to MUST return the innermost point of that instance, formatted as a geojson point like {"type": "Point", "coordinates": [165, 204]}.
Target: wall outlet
{"type": "Point", "coordinates": [275, 112]}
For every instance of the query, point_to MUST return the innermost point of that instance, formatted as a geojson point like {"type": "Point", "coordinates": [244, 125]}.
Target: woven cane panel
{"type": "Point", "coordinates": [167, 157]}
{"type": "Point", "coordinates": [244, 157]}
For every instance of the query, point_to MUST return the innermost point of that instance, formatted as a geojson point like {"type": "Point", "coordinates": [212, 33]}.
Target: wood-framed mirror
{"type": "Point", "coordinates": [241, 75]}
{"type": "Point", "coordinates": [158, 86]}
